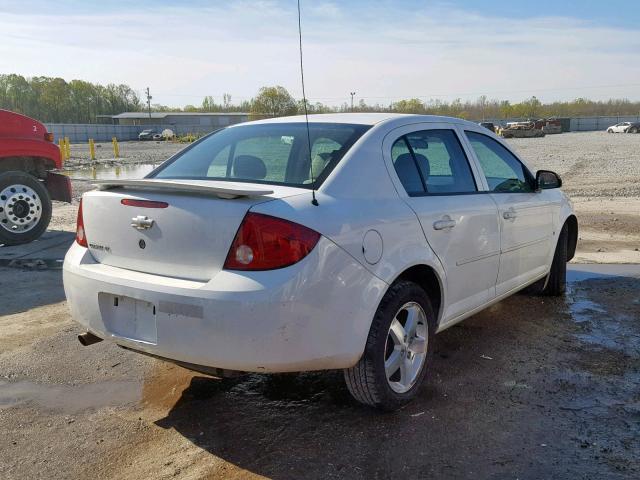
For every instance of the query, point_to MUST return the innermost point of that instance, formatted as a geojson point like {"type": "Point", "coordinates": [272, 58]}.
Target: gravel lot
{"type": "Point", "coordinates": [591, 164]}
{"type": "Point", "coordinates": [511, 395]}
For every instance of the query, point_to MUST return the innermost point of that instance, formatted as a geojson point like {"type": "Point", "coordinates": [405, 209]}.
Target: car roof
{"type": "Point", "coordinates": [362, 119]}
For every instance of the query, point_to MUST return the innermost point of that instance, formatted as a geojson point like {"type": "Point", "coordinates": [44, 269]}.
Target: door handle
{"type": "Point", "coordinates": [444, 224]}
{"type": "Point", "coordinates": [509, 214]}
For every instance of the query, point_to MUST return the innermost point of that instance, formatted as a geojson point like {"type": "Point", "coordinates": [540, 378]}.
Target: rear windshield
{"type": "Point", "coordinates": [276, 153]}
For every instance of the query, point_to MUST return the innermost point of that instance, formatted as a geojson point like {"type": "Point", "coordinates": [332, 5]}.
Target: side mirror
{"type": "Point", "coordinates": [546, 179]}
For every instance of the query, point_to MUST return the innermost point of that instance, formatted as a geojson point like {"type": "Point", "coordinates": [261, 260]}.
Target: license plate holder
{"type": "Point", "coordinates": [128, 317]}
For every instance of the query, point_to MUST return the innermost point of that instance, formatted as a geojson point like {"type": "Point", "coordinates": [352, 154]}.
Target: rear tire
{"type": "Point", "coordinates": [392, 369]}
{"type": "Point", "coordinates": [633, 130]}
{"type": "Point", "coordinates": [609, 130]}
{"type": "Point", "coordinates": [25, 208]}
{"type": "Point", "coordinates": [557, 282]}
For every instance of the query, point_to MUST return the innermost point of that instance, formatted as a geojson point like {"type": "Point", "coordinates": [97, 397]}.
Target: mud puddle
{"type": "Point", "coordinates": [607, 316]}
{"type": "Point", "coordinates": [69, 398]}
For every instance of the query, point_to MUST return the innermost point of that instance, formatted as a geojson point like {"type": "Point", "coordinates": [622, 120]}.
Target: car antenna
{"type": "Point", "coordinates": [314, 201]}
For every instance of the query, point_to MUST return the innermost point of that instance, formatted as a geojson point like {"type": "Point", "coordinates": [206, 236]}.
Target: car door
{"type": "Point", "coordinates": [526, 216]}
{"type": "Point", "coordinates": [430, 168]}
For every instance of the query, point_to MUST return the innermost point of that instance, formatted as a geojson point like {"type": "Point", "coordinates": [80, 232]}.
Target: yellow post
{"type": "Point", "coordinates": [67, 147]}
{"type": "Point", "coordinates": [63, 149]}
{"type": "Point", "coordinates": [92, 149]}
{"type": "Point", "coordinates": [116, 147]}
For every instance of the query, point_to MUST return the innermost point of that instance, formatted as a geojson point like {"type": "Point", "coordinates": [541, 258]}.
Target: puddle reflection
{"type": "Point", "coordinates": [111, 172]}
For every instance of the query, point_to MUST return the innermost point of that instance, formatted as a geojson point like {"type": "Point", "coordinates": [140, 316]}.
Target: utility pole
{"type": "Point", "coordinates": [352, 95]}
{"type": "Point", "coordinates": [149, 97]}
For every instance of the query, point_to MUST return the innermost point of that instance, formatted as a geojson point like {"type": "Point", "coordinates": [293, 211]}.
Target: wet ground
{"type": "Point", "coordinates": [111, 172]}
{"type": "Point", "coordinates": [531, 388]}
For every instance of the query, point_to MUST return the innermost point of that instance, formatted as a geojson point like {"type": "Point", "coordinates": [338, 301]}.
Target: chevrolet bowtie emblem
{"type": "Point", "coordinates": [141, 222]}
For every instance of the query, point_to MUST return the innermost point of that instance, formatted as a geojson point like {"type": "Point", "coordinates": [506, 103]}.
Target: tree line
{"type": "Point", "coordinates": [58, 101]}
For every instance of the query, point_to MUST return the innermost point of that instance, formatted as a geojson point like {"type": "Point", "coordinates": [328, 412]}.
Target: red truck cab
{"type": "Point", "coordinates": [28, 157]}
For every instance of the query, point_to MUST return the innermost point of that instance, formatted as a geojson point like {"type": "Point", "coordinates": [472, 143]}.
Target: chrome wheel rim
{"type": "Point", "coordinates": [20, 208]}
{"type": "Point", "coordinates": [406, 347]}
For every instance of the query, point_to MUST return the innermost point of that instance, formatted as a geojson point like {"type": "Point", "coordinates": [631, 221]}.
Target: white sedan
{"type": "Point", "coordinates": [345, 243]}
{"type": "Point", "coordinates": [624, 127]}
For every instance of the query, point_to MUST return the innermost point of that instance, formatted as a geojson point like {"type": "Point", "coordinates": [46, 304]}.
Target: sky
{"type": "Point", "coordinates": [382, 50]}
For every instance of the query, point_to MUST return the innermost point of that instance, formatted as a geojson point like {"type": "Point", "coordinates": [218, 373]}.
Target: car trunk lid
{"type": "Point", "coordinates": [186, 234]}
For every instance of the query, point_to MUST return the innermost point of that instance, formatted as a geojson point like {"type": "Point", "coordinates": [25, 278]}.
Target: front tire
{"type": "Point", "coordinates": [398, 351]}
{"type": "Point", "coordinates": [557, 282]}
{"type": "Point", "coordinates": [25, 208]}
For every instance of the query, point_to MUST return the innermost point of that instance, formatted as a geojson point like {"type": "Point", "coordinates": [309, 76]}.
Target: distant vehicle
{"type": "Point", "coordinates": [27, 183]}
{"type": "Point", "coordinates": [488, 126]}
{"type": "Point", "coordinates": [624, 127]}
{"type": "Point", "coordinates": [245, 253]}
{"type": "Point", "coordinates": [168, 134]}
{"type": "Point", "coordinates": [549, 126]}
{"type": "Point", "coordinates": [521, 130]}
{"type": "Point", "coordinates": [146, 134]}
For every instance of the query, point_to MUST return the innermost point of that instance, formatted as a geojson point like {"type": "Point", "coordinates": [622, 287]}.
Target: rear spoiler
{"type": "Point", "coordinates": [202, 187]}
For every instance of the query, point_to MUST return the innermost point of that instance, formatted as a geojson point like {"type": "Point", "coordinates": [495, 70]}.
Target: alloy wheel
{"type": "Point", "coordinates": [406, 347]}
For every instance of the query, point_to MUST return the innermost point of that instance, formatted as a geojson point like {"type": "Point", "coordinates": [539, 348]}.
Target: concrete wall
{"type": "Point", "coordinates": [80, 133]}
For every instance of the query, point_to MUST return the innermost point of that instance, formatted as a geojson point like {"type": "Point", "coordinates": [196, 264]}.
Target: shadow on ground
{"type": "Point", "coordinates": [30, 274]}
{"type": "Point", "coordinates": [531, 388]}
{"type": "Point", "coordinates": [20, 290]}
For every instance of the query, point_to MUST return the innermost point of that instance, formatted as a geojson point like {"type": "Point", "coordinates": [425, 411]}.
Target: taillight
{"type": "Point", "coordinates": [81, 236]}
{"type": "Point", "coordinates": [266, 243]}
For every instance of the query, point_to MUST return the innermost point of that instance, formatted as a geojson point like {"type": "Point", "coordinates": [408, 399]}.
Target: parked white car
{"type": "Point", "coordinates": [244, 252]}
{"type": "Point", "coordinates": [624, 127]}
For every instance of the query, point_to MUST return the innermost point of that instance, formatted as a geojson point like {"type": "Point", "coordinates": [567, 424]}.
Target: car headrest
{"type": "Point", "coordinates": [425, 168]}
{"type": "Point", "coordinates": [406, 170]}
{"type": "Point", "coordinates": [248, 166]}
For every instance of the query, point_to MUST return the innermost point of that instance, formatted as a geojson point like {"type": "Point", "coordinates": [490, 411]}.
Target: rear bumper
{"type": "Point", "coordinates": [314, 315]}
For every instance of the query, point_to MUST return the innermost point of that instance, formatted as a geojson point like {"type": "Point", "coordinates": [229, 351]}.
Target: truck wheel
{"type": "Point", "coordinates": [398, 351]}
{"type": "Point", "coordinates": [25, 208]}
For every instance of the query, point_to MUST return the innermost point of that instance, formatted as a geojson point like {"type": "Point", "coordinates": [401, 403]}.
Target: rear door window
{"type": "Point", "coordinates": [432, 162]}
